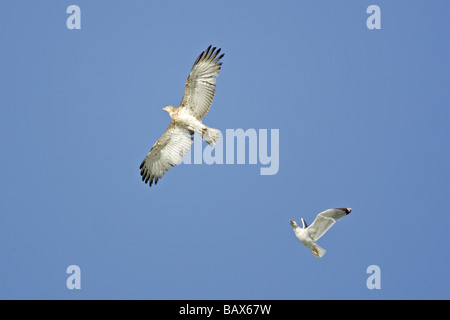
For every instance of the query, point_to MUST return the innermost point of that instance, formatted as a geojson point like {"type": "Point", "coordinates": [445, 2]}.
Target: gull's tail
{"type": "Point", "coordinates": [318, 251]}
{"type": "Point", "coordinates": [210, 135]}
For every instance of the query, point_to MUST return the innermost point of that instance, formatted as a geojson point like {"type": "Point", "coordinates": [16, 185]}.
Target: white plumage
{"type": "Point", "coordinates": [324, 220]}
{"type": "Point", "coordinates": [199, 91]}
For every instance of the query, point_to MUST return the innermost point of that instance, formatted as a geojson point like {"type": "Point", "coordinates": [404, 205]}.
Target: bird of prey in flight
{"type": "Point", "coordinates": [324, 220]}
{"type": "Point", "coordinates": [199, 92]}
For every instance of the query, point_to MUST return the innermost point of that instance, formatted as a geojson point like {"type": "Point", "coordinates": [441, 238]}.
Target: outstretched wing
{"type": "Point", "coordinates": [168, 151]}
{"type": "Point", "coordinates": [200, 85]}
{"type": "Point", "coordinates": [325, 220]}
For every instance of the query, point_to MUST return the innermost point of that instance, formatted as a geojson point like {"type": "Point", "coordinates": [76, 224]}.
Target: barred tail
{"type": "Point", "coordinates": [210, 135]}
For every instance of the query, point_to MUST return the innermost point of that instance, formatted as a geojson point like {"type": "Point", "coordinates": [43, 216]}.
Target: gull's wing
{"type": "Point", "coordinates": [200, 85]}
{"type": "Point", "coordinates": [325, 220]}
{"type": "Point", "coordinates": [168, 151]}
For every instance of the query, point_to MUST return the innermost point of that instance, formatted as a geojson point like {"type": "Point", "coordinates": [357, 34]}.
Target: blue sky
{"type": "Point", "coordinates": [363, 123]}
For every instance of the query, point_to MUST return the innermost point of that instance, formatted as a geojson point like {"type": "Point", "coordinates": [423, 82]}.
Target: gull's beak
{"type": "Point", "coordinates": [291, 222]}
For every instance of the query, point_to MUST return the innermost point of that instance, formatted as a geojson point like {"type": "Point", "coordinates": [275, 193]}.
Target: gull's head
{"type": "Point", "coordinates": [169, 109]}
{"type": "Point", "coordinates": [293, 223]}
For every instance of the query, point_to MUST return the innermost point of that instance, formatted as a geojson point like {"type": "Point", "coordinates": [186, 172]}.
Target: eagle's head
{"type": "Point", "coordinates": [169, 109]}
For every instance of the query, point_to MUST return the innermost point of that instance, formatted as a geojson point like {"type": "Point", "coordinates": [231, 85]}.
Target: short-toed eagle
{"type": "Point", "coordinates": [170, 149]}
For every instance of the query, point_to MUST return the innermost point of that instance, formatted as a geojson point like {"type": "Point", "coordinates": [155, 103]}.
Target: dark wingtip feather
{"type": "Point", "coordinates": [214, 54]}
{"type": "Point", "coordinates": [346, 210]}
{"type": "Point", "coordinates": [209, 54]}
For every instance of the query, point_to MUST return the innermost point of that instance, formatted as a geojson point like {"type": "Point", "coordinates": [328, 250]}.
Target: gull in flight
{"type": "Point", "coordinates": [324, 220]}
{"type": "Point", "coordinates": [199, 92]}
